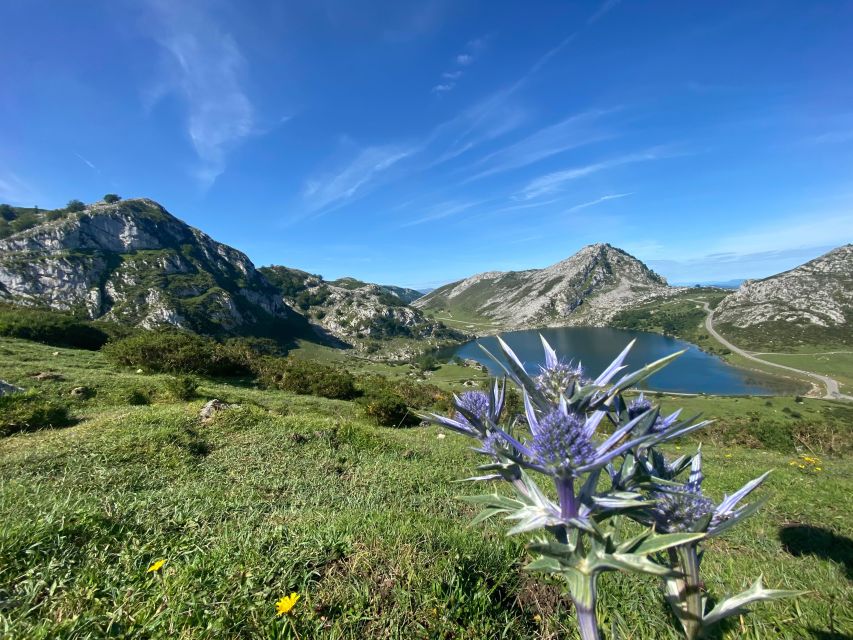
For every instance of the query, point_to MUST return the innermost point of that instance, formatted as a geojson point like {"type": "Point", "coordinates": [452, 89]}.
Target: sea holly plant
{"type": "Point", "coordinates": [681, 508]}
{"type": "Point", "coordinates": [577, 535]}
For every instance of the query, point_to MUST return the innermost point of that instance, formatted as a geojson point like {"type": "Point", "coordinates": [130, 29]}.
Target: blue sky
{"type": "Point", "coordinates": [418, 142]}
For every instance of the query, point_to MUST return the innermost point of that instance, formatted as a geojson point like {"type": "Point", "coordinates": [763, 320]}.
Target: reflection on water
{"type": "Point", "coordinates": [694, 372]}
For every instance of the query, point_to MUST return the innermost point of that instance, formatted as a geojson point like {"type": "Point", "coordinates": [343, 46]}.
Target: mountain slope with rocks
{"type": "Point", "coordinates": [810, 304]}
{"type": "Point", "coordinates": [353, 310]}
{"type": "Point", "coordinates": [133, 262]}
{"type": "Point", "coordinates": [588, 288]}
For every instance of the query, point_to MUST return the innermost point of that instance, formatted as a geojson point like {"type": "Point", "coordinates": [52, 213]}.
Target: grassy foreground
{"type": "Point", "coordinates": [293, 493]}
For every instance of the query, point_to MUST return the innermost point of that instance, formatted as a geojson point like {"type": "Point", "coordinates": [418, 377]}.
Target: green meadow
{"type": "Point", "coordinates": [282, 493]}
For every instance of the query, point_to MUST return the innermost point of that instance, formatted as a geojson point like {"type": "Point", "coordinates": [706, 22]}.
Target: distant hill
{"type": "Point", "coordinates": [811, 304]}
{"type": "Point", "coordinates": [354, 310]}
{"type": "Point", "coordinates": [722, 284]}
{"type": "Point", "coordinates": [587, 288]}
{"type": "Point", "coordinates": [135, 263]}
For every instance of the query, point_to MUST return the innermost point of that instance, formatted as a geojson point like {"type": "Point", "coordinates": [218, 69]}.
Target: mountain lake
{"type": "Point", "coordinates": [695, 371]}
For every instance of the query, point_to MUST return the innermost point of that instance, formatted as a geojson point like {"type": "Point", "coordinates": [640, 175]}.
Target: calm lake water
{"type": "Point", "coordinates": [693, 372]}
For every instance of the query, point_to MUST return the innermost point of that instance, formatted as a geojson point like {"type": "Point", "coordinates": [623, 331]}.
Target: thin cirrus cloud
{"type": "Point", "coordinates": [443, 210]}
{"type": "Point", "coordinates": [570, 133]}
{"type": "Point", "coordinates": [340, 187]}
{"type": "Point", "coordinates": [554, 182]}
{"type": "Point", "coordinates": [462, 60]}
{"type": "Point", "coordinates": [205, 66]}
{"type": "Point", "coordinates": [597, 201]}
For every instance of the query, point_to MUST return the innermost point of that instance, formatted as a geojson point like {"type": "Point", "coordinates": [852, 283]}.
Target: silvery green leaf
{"type": "Point", "coordinates": [659, 542]}
{"type": "Point", "coordinates": [734, 605]}
{"type": "Point", "coordinates": [740, 514]}
{"type": "Point", "coordinates": [641, 374]}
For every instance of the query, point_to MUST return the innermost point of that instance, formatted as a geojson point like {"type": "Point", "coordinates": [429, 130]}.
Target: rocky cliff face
{"type": "Point", "coordinates": [817, 294]}
{"type": "Point", "coordinates": [134, 262]}
{"type": "Point", "coordinates": [587, 288]}
{"type": "Point", "coordinates": [353, 310]}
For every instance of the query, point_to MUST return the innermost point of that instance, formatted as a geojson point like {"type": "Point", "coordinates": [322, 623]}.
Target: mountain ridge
{"type": "Point", "coordinates": [588, 287]}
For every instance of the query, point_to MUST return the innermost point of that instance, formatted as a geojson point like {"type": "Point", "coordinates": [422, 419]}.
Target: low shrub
{"type": "Point", "coordinates": [137, 397]}
{"type": "Point", "coordinates": [307, 378]}
{"type": "Point", "coordinates": [182, 388]}
{"type": "Point", "coordinates": [51, 327]}
{"type": "Point", "coordinates": [29, 412]}
{"type": "Point", "coordinates": [387, 409]}
{"type": "Point", "coordinates": [173, 351]}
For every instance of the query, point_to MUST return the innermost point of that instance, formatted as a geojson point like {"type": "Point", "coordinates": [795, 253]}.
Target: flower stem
{"type": "Point", "coordinates": [685, 592]}
{"type": "Point", "coordinates": [583, 592]}
{"type": "Point", "coordinates": [568, 504]}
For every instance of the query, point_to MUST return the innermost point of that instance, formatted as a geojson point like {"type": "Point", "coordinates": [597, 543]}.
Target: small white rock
{"type": "Point", "coordinates": [441, 436]}
{"type": "Point", "coordinates": [139, 371]}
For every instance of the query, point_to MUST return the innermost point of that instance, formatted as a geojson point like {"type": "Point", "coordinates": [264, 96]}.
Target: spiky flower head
{"type": "Point", "coordinates": [558, 379]}
{"type": "Point", "coordinates": [677, 511]}
{"type": "Point", "coordinates": [474, 402]}
{"type": "Point", "coordinates": [638, 407]}
{"type": "Point", "coordinates": [561, 442]}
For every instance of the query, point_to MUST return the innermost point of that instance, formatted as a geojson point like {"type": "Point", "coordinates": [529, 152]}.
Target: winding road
{"type": "Point", "coordinates": [832, 391]}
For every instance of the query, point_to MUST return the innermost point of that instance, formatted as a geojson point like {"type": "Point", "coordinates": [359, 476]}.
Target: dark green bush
{"type": "Point", "coordinates": [137, 396]}
{"type": "Point", "coordinates": [173, 351]}
{"type": "Point", "coordinates": [307, 378]}
{"type": "Point", "coordinates": [111, 198]}
{"type": "Point", "coordinates": [51, 327]}
{"type": "Point", "coordinates": [182, 388]}
{"type": "Point", "coordinates": [74, 206]}
{"type": "Point", "coordinates": [29, 412]}
{"type": "Point", "coordinates": [7, 212]}
{"type": "Point", "coordinates": [387, 410]}
{"type": "Point", "coordinates": [418, 395]}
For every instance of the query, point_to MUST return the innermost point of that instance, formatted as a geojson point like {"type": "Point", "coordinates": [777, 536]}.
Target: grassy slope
{"type": "Point", "coordinates": [298, 493]}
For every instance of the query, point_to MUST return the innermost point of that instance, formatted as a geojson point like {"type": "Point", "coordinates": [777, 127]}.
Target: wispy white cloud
{"type": "Point", "coordinates": [592, 203]}
{"type": "Point", "coordinates": [207, 68]}
{"type": "Point", "coordinates": [15, 190]}
{"type": "Point", "coordinates": [339, 187]}
{"type": "Point", "coordinates": [572, 132]}
{"type": "Point", "coordinates": [605, 7]}
{"type": "Point", "coordinates": [444, 210]}
{"type": "Point", "coordinates": [88, 163]}
{"type": "Point", "coordinates": [464, 59]}
{"type": "Point", "coordinates": [553, 182]}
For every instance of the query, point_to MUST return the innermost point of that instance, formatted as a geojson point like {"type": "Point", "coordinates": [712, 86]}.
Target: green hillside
{"type": "Point", "coordinates": [284, 493]}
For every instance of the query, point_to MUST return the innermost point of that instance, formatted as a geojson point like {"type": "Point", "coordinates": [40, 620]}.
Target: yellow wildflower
{"type": "Point", "coordinates": [287, 603]}
{"type": "Point", "coordinates": [156, 566]}
{"type": "Point", "coordinates": [728, 455]}
{"type": "Point", "coordinates": [818, 469]}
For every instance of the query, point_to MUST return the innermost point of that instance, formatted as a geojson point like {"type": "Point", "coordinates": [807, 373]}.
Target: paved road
{"type": "Point", "coordinates": [832, 391]}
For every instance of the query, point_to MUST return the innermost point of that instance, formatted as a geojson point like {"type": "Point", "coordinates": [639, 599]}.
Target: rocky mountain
{"type": "Point", "coordinates": [135, 263]}
{"type": "Point", "coordinates": [587, 288]}
{"type": "Point", "coordinates": [353, 310]}
{"type": "Point", "coordinates": [811, 303]}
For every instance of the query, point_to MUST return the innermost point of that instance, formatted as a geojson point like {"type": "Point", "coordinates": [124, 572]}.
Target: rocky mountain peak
{"type": "Point", "coordinates": [132, 261]}
{"type": "Point", "coordinates": [588, 287]}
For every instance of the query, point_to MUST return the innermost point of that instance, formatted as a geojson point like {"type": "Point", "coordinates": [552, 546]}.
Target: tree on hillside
{"type": "Point", "coordinates": [5, 229]}
{"type": "Point", "coordinates": [7, 212]}
{"type": "Point", "coordinates": [75, 205]}
{"type": "Point", "coordinates": [111, 198]}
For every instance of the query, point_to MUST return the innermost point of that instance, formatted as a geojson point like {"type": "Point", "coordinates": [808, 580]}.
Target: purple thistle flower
{"type": "Point", "coordinates": [474, 402]}
{"type": "Point", "coordinates": [676, 511]}
{"type": "Point", "coordinates": [638, 407]}
{"type": "Point", "coordinates": [558, 378]}
{"type": "Point", "coordinates": [561, 442]}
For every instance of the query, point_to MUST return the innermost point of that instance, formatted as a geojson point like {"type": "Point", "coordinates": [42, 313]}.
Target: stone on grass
{"type": "Point", "coordinates": [210, 409]}
{"type": "Point", "coordinates": [6, 388]}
